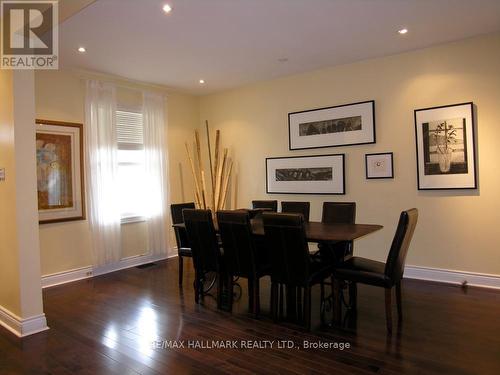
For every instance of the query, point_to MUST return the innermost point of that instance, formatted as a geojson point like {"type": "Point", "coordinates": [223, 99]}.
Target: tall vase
{"type": "Point", "coordinates": [444, 157]}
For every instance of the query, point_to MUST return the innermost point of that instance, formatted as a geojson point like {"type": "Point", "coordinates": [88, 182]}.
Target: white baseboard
{"type": "Point", "coordinates": [87, 272]}
{"type": "Point", "coordinates": [66, 276]}
{"type": "Point", "coordinates": [452, 276]}
{"type": "Point", "coordinates": [22, 327]}
{"type": "Point", "coordinates": [129, 262]}
{"type": "Point", "coordinates": [411, 272]}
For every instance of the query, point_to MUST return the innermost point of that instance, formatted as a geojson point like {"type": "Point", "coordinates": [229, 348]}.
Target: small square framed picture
{"type": "Point", "coordinates": [379, 165]}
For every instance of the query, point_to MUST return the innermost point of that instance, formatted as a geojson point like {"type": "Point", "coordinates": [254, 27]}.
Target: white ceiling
{"type": "Point", "coordinates": [234, 42]}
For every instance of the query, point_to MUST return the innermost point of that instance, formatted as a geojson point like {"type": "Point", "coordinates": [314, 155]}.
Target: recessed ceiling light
{"type": "Point", "coordinates": [403, 31]}
{"type": "Point", "coordinates": [167, 8]}
{"type": "Point", "coordinates": [81, 49]}
{"type": "Point", "coordinates": [202, 81]}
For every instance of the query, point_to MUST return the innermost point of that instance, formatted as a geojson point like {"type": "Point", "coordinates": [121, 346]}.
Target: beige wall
{"type": "Point", "coordinates": [456, 229]}
{"type": "Point", "coordinates": [60, 95]}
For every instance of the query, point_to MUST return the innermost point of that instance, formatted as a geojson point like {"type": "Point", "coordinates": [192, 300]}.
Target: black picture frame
{"type": "Point", "coordinates": [459, 172]}
{"type": "Point", "coordinates": [365, 110]}
{"type": "Point", "coordinates": [320, 186]}
{"type": "Point", "coordinates": [370, 175]}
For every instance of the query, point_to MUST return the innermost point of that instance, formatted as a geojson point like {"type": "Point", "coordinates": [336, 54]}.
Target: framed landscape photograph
{"type": "Point", "coordinates": [59, 161]}
{"type": "Point", "coordinates": [446, 156]}
{"type": "Point", "coordinates": [341, 125]}
{"type": "Point", "coordinates": [379, 165]}
{"type": "Point", "coordinates": [319, 174]}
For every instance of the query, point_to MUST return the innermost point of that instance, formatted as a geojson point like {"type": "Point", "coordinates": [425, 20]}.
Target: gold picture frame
{"type": "Point", "coordinates": [60, 177]}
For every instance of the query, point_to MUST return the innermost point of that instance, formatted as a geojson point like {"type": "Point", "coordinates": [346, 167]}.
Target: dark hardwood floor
{"type": "Point", "coordinates": [109, 325]}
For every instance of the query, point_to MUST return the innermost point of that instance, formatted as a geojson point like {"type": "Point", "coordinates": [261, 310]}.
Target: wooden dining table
{"type": "Point", "coordinates": [317, 232]}
{"type": "Point", "coordinates": [326, 232]}
{"type": "Point", "coordinates": [320, 232]}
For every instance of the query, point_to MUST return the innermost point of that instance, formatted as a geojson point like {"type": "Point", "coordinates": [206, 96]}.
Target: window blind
{"type": "Point", "coordinates": [129, 129]}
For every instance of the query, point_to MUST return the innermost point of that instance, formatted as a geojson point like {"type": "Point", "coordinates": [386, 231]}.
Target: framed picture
{"type": "Point", "coordinates": [446, 157]}
{"type": "Point", "coordinates": [319, 174]}
{"type": "Point", "coordinates": [341, 125]}
{"type": "Point", "coordinates": [59, 164]}
{"type": "Point", "coordinates": [379, 165]}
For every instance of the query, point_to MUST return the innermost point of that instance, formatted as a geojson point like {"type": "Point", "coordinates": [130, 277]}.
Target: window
{"type": "Point", "coordinates": [131, 167]}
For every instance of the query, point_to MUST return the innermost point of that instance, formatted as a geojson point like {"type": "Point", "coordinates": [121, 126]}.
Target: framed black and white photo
{"type": "Point", "coordinates": [341, 125]}
{"type": "Point", "coordinates": [445, 147]}
{"type": "Point", "coordinates": [319, 174]}
{"type": "Point", "coordinates": [379, 165]}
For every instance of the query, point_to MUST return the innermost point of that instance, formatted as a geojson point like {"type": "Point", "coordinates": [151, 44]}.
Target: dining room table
{"type": "Point", "coordinates": [316, 232]}
{"type": "Point", "coordinates": [321, 233]}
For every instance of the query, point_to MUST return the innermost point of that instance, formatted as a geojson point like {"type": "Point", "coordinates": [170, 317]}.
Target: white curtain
{"type": "Point", "coordinates": [153, 112]}
{"type": "Point", "coordinates": [101, 167]}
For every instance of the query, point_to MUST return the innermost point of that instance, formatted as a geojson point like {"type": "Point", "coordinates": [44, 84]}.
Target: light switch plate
{"type": "Point", "coordinates": [2, 174]}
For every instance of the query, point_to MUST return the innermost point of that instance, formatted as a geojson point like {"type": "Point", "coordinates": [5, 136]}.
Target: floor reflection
{"type": "Point", "coordinates": [110, 336]}
{"type": "Point", "coordinates": [147, 324]}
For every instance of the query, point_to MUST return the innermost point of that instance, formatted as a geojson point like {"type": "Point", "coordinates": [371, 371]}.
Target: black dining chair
{"type": "Point", "coordinates": [183, 247]}
{"type": "Point", "coordinates": [385, 275]}
{"type": "Point", "coordinates": [291, 264]}
{"type": "Point", "coordinates": [338, 213]}
{"type": "Point", "coordinates": [243, 257]}
{"type": "Point", "coordinates": [269, 204]}
{"type": "Point", "coordinates": [302, 208]}
{"type": "Point", "coordinates": [207, 256]}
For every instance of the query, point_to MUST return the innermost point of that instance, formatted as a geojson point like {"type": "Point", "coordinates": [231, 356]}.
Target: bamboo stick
{"type": "Point", "coordinates": [197, 198]}
{"type": "Point", "coordinates": [220, 172]}
{"type": "Point", "coordinates": [198, 151]}
{"type": "Point", "coordinates": [217, 148]}
{"type": "Point", "coordinates": [198, 147]}
{"type": "Point", "coordinates": [226, 184]}
{"type": "Point", "coordinates": [217, 166]}
{"type": "Point", "coordinates": [219, 178]}
{"type": "Point", "coordinates": [203, 199]}
{"type": "Point", "coordinates": [210, 161]}
{"type": "Point", "coordinates": [210, 155]}
{"type": "Point", "coordinates": [235, 187]}
{"type": "Point", "coordinates": [203, 189]}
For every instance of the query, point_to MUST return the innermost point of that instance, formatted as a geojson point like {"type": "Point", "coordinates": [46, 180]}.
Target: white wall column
{"type": "Point", "coordinates": [23, 314]}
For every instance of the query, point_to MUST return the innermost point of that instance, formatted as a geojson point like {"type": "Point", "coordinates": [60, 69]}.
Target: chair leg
{"type": "Point", "coordinates": [388, 312]}
{"type": "Point", "coordinates": [307, 307]}
{"type": "Point", "coordinates": [399, 302]}
{"type": "Point", "coordinates": [220, 287]}
{"type": "Point", "coordinates": [251, 285]}
{"type": "Point", "coordinates": [274, 301]}
{"type": "Point", "coordinates": [337, 303]}
{"type": "Point", "coordinates": [256, 297]}
{"type": "Point", "coordinates": [181, 269]}
{"type": "Point", "coordinates": [196, 288]}
{"type": "Point", "coordinates": [353, 296]}
{"type": "Point", "coordinates": [322, 301]}
{"type": "Point", "coordinates": [291, 302]}
{"type": "Point", "coordinates": [300, 311]}
{"type": "Point", "coordinates": [229, 292]}
{"type": "Point", "coordinates": [280, 303]}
